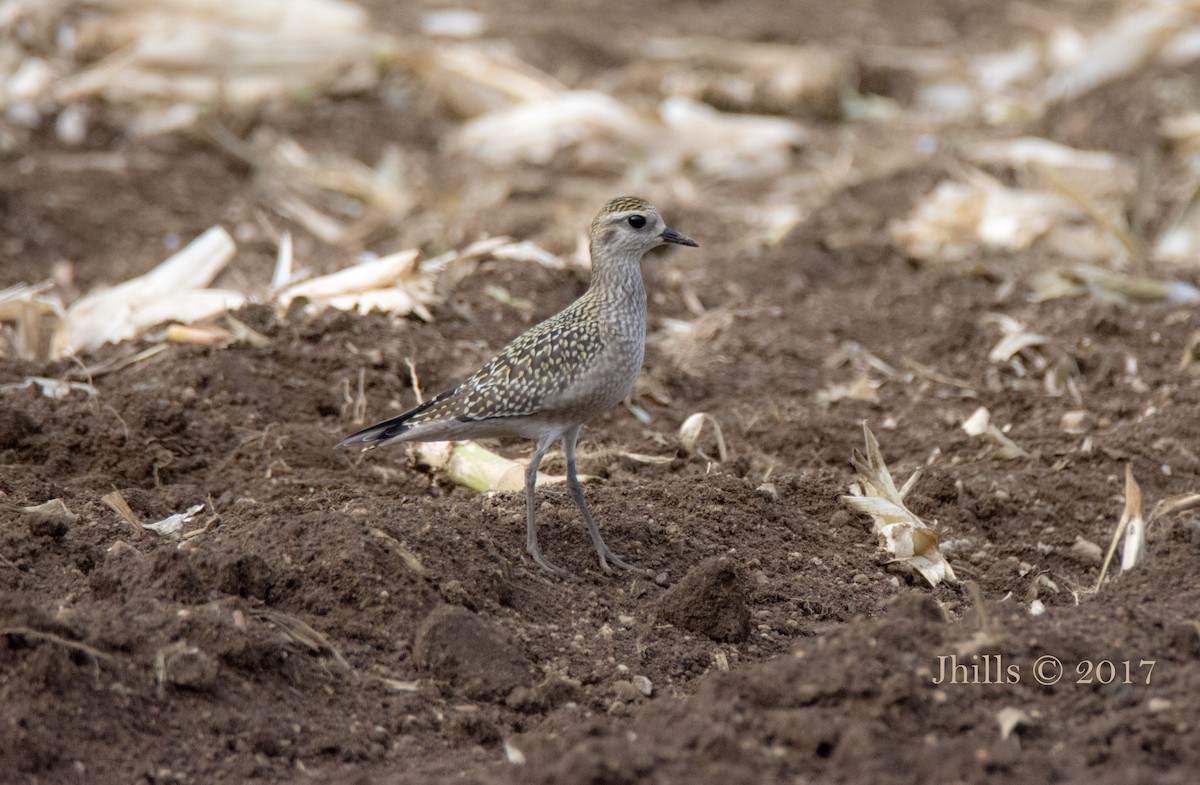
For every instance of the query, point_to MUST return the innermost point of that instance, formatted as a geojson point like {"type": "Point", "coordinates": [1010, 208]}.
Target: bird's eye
{"type": "Point", "coordinates": [637, 221]}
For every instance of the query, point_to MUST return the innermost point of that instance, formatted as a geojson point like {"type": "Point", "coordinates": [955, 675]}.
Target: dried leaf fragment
{"type": "Point", "coordinates": [1135, 525]}
{"type": "Point", "coordinates": [979, 424]}
{"type": "Point", "coordinates": [53, 508]}
{"type": "Point", "coordinates": [302, 633]}
{"type": "Point", "coordinates": [1131, 525]}
{"type": "Point", "coordinates": [116, 502]}
{"type": "Point", "coordinates": [1010, 718]}
{"type": "Point", "coordinates": [36, 318]}
{"type": "Point", "coordinates": [691, 430]}
{"type": "Point", "coordinates": [409, 558]}
{"type": "Point", "coordinates": [864, 388]}
{"type": "Point", "coordinates": [900, 531]}
{"type": "Point", "coordinates": [1015, 340]}
{"type": "Point", "coordinates": [51, 388]}
{"type": "Point", "coordinates": [171, 527]}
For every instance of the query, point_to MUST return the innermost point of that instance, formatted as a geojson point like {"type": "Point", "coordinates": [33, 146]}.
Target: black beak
{"type": "Point", "coordinates": [672, 236]}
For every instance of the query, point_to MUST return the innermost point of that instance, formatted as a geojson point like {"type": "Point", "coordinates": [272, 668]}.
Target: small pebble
{"type": "Point", "coordinates": [1077, 421]}
{"type": "Point", "coordinates": [121, 548]}
{"type": "Point", "coordinates": [1086, 551]}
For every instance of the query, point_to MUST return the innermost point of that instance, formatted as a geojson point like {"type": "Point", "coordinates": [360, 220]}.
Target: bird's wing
{"type": "Point", "coordinates": [532, 370]}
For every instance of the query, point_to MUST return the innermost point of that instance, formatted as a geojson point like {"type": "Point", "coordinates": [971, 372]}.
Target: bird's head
{"type": "Point", "coordinates": [629, 227]}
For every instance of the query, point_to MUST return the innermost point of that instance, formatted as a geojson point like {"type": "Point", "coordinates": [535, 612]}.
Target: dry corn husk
{"type": "Point", "coordinates": [337, 198]}
{"type": "Point", "coordinates": [35, 316]}
{"type": "Point", "coordinates": [471, 80]}
{"type": "Point", "coordinates": [1132, 525]}
{"type": "Point", "coordinates": [537, 130]}
{"type": "Point", "coordinates": [733, 146]}
{"type": "Point", "coordinates": [1163, 31]}
{"type": "Point", "coordinates": [234, 332]}
{"type": "Point", "coordinates": [468, 464]}
{"type": "Point", "coordinates": [900, 531]}
{"type": "Point", "coordinates": [392, 283]}
{"type": "Point", "coordinates": [173, 291]}
{"type": "Point", "coordinates": [54, 507]}
{"type": "Point", "coordinates": [362, 277]}
{"type": "Point", "coordinates": [328, 176]}
{"type": "Point", "coordinates": [213, 51]}
{"type": "Point", "coordinates": [960, 218]}
{"type": "Point", "coordinates": [528, 251]}
{"type": "Point", "coordinates": [117, 503]}
{"type": "Point", "coordinates": [1027, 151]}
{"type": "Point", "coordinates": [453, 23]}
{"type": "Point", "coordinates": [750, 77]}
{"type": "Point", "coordinates": [1180, 242]}
{"type": "Point", "coordinates": [1085, 279]}
{"type": "Point", "coordinates": [1107, 179]}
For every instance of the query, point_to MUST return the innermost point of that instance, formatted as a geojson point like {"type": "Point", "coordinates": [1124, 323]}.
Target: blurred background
{"type": "Point", "coordinates": [127, 128]}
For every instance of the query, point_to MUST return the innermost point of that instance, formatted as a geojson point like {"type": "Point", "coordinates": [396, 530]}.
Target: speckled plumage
{"type": "Point", "coordinates": [559, 374]}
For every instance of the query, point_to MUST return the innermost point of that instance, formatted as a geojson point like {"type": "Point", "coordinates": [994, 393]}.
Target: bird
{"type": "Point", "coordinates": [558, 375]}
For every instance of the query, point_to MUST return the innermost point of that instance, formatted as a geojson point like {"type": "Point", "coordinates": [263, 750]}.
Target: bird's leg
{"type": "Point", "coordinates": [531, 540]}
{"type": "Point", "coordinates": [602, 550]}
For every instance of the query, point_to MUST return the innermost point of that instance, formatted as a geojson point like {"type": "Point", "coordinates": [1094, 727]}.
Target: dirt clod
{"type": "Point", "coordinates": [712, 599]}
{"type": "Point", "coordinates": [52, 526]}
{"type": "Point", "coordinates": [457, 646]}
{"type": "Point", "coordinates": [16, 426]}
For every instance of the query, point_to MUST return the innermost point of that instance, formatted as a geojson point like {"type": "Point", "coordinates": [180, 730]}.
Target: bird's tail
{"type": "Point", "coordinates": [388, 431]}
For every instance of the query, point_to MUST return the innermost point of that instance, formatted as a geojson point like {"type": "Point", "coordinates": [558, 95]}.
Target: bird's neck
{"type": "Point", "coordinates": [618, 281]}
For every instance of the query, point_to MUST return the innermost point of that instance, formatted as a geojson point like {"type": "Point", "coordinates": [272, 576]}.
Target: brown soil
{"type": "Point", "coordinates": [293, 642]}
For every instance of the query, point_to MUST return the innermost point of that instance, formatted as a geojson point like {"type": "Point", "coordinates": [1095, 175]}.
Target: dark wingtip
{"type": "Point", "coordinates": [370, 437]}
{"type": "Point", "coordinates": [357, 438]}
{"type": "Point", "coordinates": [383, 432]}
{"type": "Point", "coordinates": [349, 440]}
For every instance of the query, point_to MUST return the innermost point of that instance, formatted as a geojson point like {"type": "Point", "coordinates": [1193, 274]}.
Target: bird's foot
{"type": "Point", "coordinates": [548, 566]}
{"type": "Point", "coordinates": [607, 556]}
